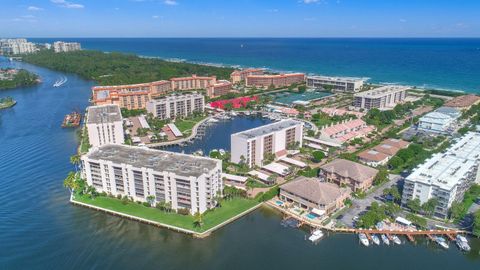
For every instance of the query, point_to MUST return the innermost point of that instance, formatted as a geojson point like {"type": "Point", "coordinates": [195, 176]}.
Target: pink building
{"type": "Point", "coordinates": [346, 130]}
{"type": "Point", "coordinates": [275, 80]}
{"type": "Point", "coordinates": [219, 88]}
{"type": "Point", "coordinates": [239, 75]}
{"type": "Point", "coordinates": [192, 83]}
{"type": "Point", "coordinates": [340, 112]}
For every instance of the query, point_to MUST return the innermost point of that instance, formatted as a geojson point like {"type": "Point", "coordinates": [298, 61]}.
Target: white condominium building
{"type": "Point", "coordinates": [385, 97]}
{"type": "Point", "coordinates": [60, 46]}
{"type": "Point", "coordinates": [251, 146]}
{"type": "Point", "coordinates": [184, 181]}
{"type": "Point", "coordinates": [104, 125]}
{"type": "Point", "coordinates": [442, 120]}
{"type": "Point", "coordinates": [17, 46]}
{"type": "Point", "coordinates": [177, 105]}
{"type": "Point", "coordinates": [337, 84]}
{"type": "Point", "coordinates": [445, 176]}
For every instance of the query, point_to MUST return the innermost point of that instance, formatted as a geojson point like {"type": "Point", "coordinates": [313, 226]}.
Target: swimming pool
{"type": "Point", "coordinates": [288, 98]}
{"type": "Point", "coordinates": [311, 216]}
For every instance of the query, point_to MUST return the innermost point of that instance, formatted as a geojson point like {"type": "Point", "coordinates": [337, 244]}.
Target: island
{"type": "Point", "coordinates": [13, 78]}
{"type": "Point", "coordinates": [7, 102]}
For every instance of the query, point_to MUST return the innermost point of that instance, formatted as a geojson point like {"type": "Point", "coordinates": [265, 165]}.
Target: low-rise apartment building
{"type": "Point", "coordinates": [445, 176]}
{"type": "Point", "coordinates": [253, 145]}
{"type": "Point", "coordinates": [442, 120]}
{"type": "Point", "coordinates": [385, 97]}
{"type": "Point", "coordinates": [104, 125]}
{"type": "Point", "coordinates": [193, 82]}
{"type": "Point", "coordinates": [60, 46]}
{"type": "Point", "coordinates": [239, 76]}
{"type": "Point", "coordinates": [348, 173]}
{"type": "Point", "coordinates": [336, 84]}
{"type": "Point", "coordinates": [278, 80]}
{"type": "Point", "coordinates": [129, 96]}
{"type": "Point", "coordinates": [346, 130]}
{"type": "Point", "coordinates": [382, 153]}
{"type": "Point", "coordinates": [220, 88]}
{"type": "Point", "coordinates": [184, 181]}
{"type": "Point", "coordinates": [463, 102]}
{"type": "Point", "coordinates": [311, 194]}
{"type": "Point", "coordinates": [176, 105]}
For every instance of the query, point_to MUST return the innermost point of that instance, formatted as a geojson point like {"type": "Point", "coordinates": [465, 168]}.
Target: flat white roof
{"type": "Point", "coordinates": [259, 175]}
{"type": "Point", "coordinates": [382, 91]}
{"type": "Point", "coordinates": [337, 79]}
{"type": "Point", "coordinates": [268, 129]}
{"type": "Point", "coordinates": [175, 130]}
{"type": "Point", "coordinates": [276, 168]}
{"type": "Point", "coordinates": [143, 122]}
{"type": "Point", "coordinates": [324, 141]}
{"type": "Point", "coordinates": [445, 170]}
{"type": "Point", "coordinates": [294, 162]}
{"type": "Point", "coordinates": [236, 178]}
{"type": "Point", "coordinates": [403, 221]}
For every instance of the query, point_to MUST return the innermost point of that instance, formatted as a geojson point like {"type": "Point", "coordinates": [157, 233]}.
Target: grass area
{"type": "Point", "coordinates": [187, 124]}
{"type": "Point", "coordinates": [211, 218]}
{"type": "Point", "coordinates": [84, 143]}
{"type": "Point", "coordinates": [7, 102]}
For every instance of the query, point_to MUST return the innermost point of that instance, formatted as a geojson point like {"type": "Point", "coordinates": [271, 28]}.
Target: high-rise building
{"type": "Point", "coordinates": [147, 175]}
{"type": "Point", "coordinates": [104, 125]}
{"type": "Point", "coordinates": [336, 84]}
{"type": "Point", "coordinates": [445, 176]}
{"type": "Point", "coordinates": [176, 105]}
{"type": "Point", "coordinates": [385, 97]}
{"type": "Point", "coordinates": [60, 46]}
{"type": "Point", "coordinates": [16, 46]}
{"type": "Point", "coordinates": [253, 145]}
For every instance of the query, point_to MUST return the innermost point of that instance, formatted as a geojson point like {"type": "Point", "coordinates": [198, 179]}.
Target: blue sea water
{"type": "Point", "coordinates": [442, 63]}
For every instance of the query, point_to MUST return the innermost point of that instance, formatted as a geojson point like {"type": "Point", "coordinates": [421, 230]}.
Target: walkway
{"type": "Point", "coordinates": [187, 139]}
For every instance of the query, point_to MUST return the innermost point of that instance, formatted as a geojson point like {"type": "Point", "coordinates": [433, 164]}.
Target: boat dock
{"type": "Point", "coordinates": [71, 120]}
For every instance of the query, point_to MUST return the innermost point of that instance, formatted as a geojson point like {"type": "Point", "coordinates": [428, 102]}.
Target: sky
{"type": "Point", "coordinates": [239, 18]}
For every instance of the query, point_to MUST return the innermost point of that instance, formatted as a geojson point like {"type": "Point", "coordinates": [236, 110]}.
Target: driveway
{"type": "Point", "coordinates": [361, 205]}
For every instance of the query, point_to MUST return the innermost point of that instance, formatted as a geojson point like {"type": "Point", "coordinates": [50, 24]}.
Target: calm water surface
{"type": "Point", "coordinates": [39, 229]}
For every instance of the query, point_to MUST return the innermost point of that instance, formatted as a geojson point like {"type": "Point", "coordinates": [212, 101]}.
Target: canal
{"type": "Point", "coordinates": [39, 229]}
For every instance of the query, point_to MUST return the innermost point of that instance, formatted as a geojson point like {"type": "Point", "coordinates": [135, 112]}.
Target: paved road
{"type": "Point", "coordinates": [360, 205]}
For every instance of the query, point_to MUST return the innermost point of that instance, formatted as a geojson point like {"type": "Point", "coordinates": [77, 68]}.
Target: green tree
{"type": "Point", "coordinates": [70, 182]}
{"type": "Point", "coordinates": [198, 220]}
{"type": "Point", "coordinates": [75, 160]}
{"type": "Point", "coordinates": [381, 177]}
{"type": "Point", "coordinates": [395, 162]}
{"type": "Point", "coordinates": [302, 88]}
{"type": "Point", "coordinates": [414, 205]}
{"type": "Point", "coordinates": [457, 210]}
{"type": "Point", "coordinates": [429, 207]}
{"type": "Point", "coordinates": [151, 200]}
{"type": "Point", "coordinates": [318, 156]}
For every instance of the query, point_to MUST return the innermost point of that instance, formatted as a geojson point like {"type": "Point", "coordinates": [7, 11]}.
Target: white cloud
{"type": "Point", "coordinates": [155, 17]}
{"type": "Point", "coordinates": [273, 10]}
{"type": "Point", "coordinates": [66, 4]}
{"type": "Point", "coordinates": [170, 2]}
{"type": "Point", "coordinates": [309, 19]}
{"type": "Point", "coordinates": [28, 16]}
{"type": "Point", "coordinates": [403, 20]}
{"type": "Point", "coordinates": [310, 1]}
{"type": "Point", "coordinates": [34, 8]}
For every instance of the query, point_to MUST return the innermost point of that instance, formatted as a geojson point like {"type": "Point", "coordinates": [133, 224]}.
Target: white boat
{"type": "Point", "coordinates": [316, 235]}
{"type": "Point", "coordinates": [462, 243]}
{"type": "Point", "coordinates": [442, 242]}
{"type": "Point", "coordinates": [232, 113]}
{"type": "Point", "coordinates": [396, 240]}
{"type": "Point", "coordinates": [375, 239]}
{"type": "Point", "coordinates": [363, 239]}
{"type": "Point", "coordinates": [385, 239]}
{"type": "Point", "coordinates": [212, 120]}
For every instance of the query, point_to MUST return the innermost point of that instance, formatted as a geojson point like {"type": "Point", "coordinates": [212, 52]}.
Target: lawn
{"type": "Point", "coordinates": [211, 218]}
{"type": "Point", "coordinates": [187, 124]}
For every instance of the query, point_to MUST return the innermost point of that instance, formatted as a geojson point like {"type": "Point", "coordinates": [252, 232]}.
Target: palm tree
{"type": "Point", "coordinates": [198, 220]}
{"type": "Point", "coordinates": [70, 182]}
{"type": "Point", "coordinates": [75, 160]}
{"type": "Point", "coordinates": [151, 199]}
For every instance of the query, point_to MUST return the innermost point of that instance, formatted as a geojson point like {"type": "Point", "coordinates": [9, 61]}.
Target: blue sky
{"type": "Point", "coordinates": [239, 18]}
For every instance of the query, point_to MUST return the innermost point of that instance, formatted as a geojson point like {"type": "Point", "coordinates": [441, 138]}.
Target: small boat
{"type": "Point", "coordinates": [442, 242]}
{"type": "Point", "coordinates": [232, 113]}
{"type": "Point", "coordinates": [462, 243]}
{"type": "Point", "coordinates": [385, 239]}
{"type": "Point", "coordinates": [363, 239]}
{"type": "Point", "coordinates": [60, 82]}
{"type": "Point", "coordinates": [212, 120]}
{"type": "Point", "coordinates": [71, 120]}
{"type": "Point", "coordinates": [375, 239]}
{"type": "Point", "coordinates": [396, 240]}
{"type": "Point", "coordinates": [316, 235]}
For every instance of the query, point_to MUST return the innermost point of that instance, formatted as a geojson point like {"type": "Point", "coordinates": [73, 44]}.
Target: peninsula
{"type": "Point", "coordinates": [13, 78]}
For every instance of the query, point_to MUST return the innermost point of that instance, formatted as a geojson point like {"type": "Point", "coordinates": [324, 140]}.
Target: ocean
{"type": "Point", "coordinates": [440, 63]}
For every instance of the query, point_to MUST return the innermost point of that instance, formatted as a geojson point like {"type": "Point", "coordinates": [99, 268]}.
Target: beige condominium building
{"type": "Point", "coordinates": [277, 80]}
{"type": "Point", "coordinates": [176, 105]}
{"type": "Point", "coordinates": [251, 146]}
{"type": "Point", "coordinates": [104, 125]}
{"type": "Point", "coordinates": [311, 194]}
{"type": "Point", "coordinates": [336, 84]}
{"type": "Point", "coordinates": [385, 97]}
{"type": "Point", "coordinates": [238, 76]}
{"type": "Point", "coordinates": [219, 88]}
{"type": "Point", "coordinates": [193, 82]}
{"type": "Point", "coordinates": [184, 181]}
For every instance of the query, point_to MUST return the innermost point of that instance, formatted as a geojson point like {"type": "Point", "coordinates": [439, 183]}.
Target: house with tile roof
{"type": "Point", "coordinates": [348, 173]}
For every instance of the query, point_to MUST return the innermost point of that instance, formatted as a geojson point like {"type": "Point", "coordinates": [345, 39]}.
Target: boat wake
{"type": "Point", "coordinates": [60, 81]}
